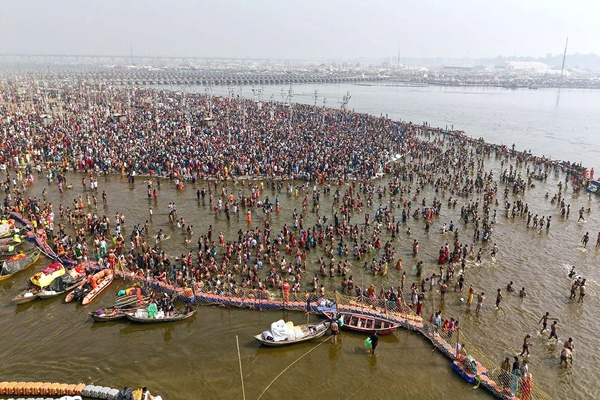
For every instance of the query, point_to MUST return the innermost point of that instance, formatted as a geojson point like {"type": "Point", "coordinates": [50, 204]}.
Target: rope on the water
{"type": "Point", "coordinates": [363, 385]}
{"type": "Point", "coordinates": [289, 366]}
{"type": "Point", "coordinates": [237, 341]}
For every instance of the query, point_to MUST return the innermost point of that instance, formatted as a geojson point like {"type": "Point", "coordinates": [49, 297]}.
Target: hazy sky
{"type": "Point", "coordinates": [301, 29]}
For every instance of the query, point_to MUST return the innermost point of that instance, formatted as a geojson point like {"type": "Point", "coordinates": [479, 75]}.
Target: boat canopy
{"type": "Point", "coordinates": [48, 274]}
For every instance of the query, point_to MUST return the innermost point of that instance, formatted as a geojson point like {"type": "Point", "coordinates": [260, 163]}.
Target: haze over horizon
{"type": "Point", "coordinates": [308, 30]}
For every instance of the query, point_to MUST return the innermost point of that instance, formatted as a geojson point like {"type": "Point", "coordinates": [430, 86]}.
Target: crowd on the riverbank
{"type": "Point", "coordinates": [190, 136]}
{"type": "Point", "coordinates": [193, 137]}
{"type": "Point", "coordinates": [321, 148]}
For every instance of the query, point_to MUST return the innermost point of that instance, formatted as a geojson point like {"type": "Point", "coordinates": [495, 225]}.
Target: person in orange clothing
{"type": "Point", "coordinates": [526, 387]}
{"type": "Point", "coordinates": [111, 259]}
{"type": "Point", "coordinates": [286, 291]}
{"type": "Point", "coordinates": [92, 281]}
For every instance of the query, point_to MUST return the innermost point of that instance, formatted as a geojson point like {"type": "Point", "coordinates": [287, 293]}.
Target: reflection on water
{"type": "Point", "coordinates": [372, 363]}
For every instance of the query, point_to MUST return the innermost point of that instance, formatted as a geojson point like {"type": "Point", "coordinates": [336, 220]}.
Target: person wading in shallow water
{"type": "Point", "coordinates": [585, 239]}
{"type": "Point", "coordinates": [526, 345]}
{"type": "Point", "coordinates": [374, 341]}
{"type": "Point", "coordinates": [480, 299]}
{"type": "Point", "coordinates": [544, 321]}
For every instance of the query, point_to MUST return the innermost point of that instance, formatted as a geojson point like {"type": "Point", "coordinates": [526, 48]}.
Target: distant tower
{"type": "Point", "coordinates": [564, 58]}
{"type": "Point", "coordinates": [131, 50]}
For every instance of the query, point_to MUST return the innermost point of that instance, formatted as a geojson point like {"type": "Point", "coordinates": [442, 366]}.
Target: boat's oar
{"type": "Point", "coordinates": [127, 302]}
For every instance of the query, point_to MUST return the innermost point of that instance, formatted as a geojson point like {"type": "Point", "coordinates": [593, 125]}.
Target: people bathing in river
{"type": "Point", "coordinates": [566, 354]}
{"type": "Point", "coordinates": [526, 345]}
{"type": "Point", "coordinates": [261, 258]}
{"type": "Point", "coordinates": [544, 321]}
{"type": "Point", "coordinates": [585, 239]}
{"type": "Point", "coordinates": [566, 357]}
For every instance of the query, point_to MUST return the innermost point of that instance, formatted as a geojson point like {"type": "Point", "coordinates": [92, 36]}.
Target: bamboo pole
{"type": "Point", "coordinates": [237, 341]}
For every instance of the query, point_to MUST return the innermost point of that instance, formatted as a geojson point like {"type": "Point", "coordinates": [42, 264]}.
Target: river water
{"type": "Point", "coordinates": [53, 341]}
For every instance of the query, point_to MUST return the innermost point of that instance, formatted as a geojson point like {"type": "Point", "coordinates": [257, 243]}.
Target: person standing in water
{"type": "Point", "coordinates": [581, 291]}
{"type": "Point", "coordinates": [470, 294]}
{"type": "Point", "coordinates": [480, 299]}
{"type": "Point", "coordinates": [554, 330]}
{"type": "Point", "coordinates": [335, 327]}
{"type": "Point", "coordinates": [374, 341]}
{"type": "Point", "coordinates": [544, 321]}
{"type": "Point", "coordinates": [581, 215]}
{"type": "Point", "coordinates": [566, 354]}
{"type": "Point", "coordinates": [498, 299]}
{"type": "Point", "coordinates": [526, 345]}
{"type": "Point", "coordinates": [522, 293]}
{"type": "Point", "coordinates": [585, 239]}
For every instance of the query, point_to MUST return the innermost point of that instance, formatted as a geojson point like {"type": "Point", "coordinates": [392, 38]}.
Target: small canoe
{"type": "Point", "coordinates": [18, 263]}
{"type": "Point", "coordinates": [108, 314]}
{"type": "Point", "coordinates": [131, 315]}
{"type": "Point", "coordinates": [9, 249]}
{"type": "Point", "coordinates": [62, 284]}
{"type": "Point", "coordinates": [366, 323]}
{"type": "Point", "coordinates": [26, 296]}
{"type": "Point", "coordinates": [12, 240]}
{"type": "Point", "coordinates": [309, 332]}
{"type": "Point", "coordinates": [118, 311]}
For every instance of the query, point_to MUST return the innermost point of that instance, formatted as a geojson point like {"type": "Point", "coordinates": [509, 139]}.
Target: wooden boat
{"type": "Point", "coordinates": [108, 314]}
{"type": "Point", "coordinates": [99, 281]}
{"type": "Point", "coordinates": [309, 331]}
{"type": "Point", "coordinates": [63, 284]}
{"type": "Point", "coordinates": [18, 263]}
{"type": "Point", "coordinates": [123, 304]}
{"type": "Point", "coordinates": [40, 239]}
{"type": "Point", "coordinates": [26, 296]}
{"type": "Point", "coordinates": [12, 240]}
{"type": "Point", "coordinates": [131, 315]}
{"type": "Point", "coordinates": [38, 281]}
{"type": "Point", "coordinates": [9, 249]}
{"type": "Point", "coordinates": [18, 217]}
{"type": "Point", "coordinates": [366, 323]}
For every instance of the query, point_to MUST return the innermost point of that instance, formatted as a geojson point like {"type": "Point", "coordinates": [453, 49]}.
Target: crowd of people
{"type": "Point", "coordinates": [237, 154]}
{"type": "Point", "coordinates": [191, 137]}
